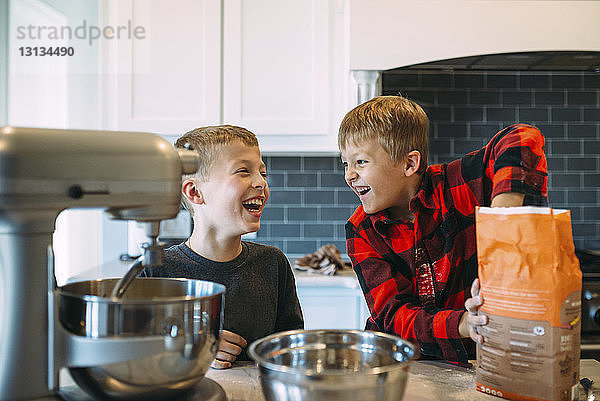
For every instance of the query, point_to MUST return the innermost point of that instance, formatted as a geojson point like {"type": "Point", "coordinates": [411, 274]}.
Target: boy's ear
{"type": "Point", "coordinates": [413, 162]}
{"type": "Point", "coordinates": [190, 190]}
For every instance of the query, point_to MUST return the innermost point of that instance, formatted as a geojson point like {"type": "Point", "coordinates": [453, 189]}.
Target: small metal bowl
{"type": "Point", "coordinates": [186, 313]}
{"type": "Point", "coordinates": [328, 365]}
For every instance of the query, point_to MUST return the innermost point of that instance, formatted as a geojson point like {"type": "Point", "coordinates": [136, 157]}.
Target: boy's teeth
{"type": "Point", "coordinates": [362, 190]}
{"type": "Point", "coordinates": [253, 204]}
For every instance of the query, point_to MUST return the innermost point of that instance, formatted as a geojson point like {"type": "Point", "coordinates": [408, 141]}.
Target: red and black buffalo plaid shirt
{"type": "Point", "coordinates": [416, 275]}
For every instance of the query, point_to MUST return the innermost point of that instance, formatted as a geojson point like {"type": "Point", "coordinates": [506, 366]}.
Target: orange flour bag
{"type": "Point", "coordinates": [531, 289]}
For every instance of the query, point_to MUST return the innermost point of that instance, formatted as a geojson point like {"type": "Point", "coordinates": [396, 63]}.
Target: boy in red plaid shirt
{"type": "Point", "coordinates": [412, 239]}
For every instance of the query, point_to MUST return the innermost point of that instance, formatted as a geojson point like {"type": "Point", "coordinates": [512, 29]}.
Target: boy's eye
{"type": "Point", "coordinates": [264, 174]}
{"type": "Point", "coordinates": [344, 164]}
{"type": "Point", "coordinates": [242, 170]}
{"type": "Point", "coordinates": [361, 162]}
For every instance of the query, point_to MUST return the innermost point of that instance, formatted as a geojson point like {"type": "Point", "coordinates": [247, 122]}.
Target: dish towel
{"type": "Point", "coordinates": [327, 260]}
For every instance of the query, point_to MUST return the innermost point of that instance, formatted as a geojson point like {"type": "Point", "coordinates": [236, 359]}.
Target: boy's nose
{"type": "Point", "coordinates": [350, 174]}
{"type": "Point", "coordinates": [260, 182]}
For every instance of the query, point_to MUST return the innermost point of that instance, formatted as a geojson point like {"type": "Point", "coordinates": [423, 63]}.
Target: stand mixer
{"type": "Point", "coordinates": [135, 176]}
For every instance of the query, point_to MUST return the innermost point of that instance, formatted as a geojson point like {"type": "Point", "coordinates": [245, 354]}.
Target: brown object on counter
{"type": "Point", "coordinates": [327, 260]}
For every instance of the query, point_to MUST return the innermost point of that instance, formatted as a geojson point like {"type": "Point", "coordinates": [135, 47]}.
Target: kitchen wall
{"type": "Point", "coordinates": [309, 205]}
{"type": "Point", "coordinates": [56, 92]}
{"type": "Point", "coordinates": [310, 201]}
{"type": "Point", "coordinates": [467, 107]}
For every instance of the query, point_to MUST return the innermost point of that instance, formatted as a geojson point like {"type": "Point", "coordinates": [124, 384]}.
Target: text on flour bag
{"type": "Point", "coordinates": [531, 288]}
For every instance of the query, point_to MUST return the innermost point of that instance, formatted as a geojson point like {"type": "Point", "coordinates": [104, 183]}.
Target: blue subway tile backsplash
{"type": "Point", "coordinates": [310, 201]}
{"type": "Point", "coordinates": [309, 205]}
{"type": "Point", "coordinates": [564, 105]}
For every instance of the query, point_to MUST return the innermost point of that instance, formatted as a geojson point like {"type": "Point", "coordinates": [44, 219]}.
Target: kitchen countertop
{"type": "Point", "coordinates": [427, 381]}
{"type": "Point", "coordinates": [346, 278]}
{"type": "Point", "coordinates": [117, 268]}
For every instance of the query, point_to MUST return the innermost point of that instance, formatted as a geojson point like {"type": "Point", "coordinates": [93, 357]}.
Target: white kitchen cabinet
{"type": "Point", "coordinates": [331, 302]}
{"type": "Point", "coordinates": [169, 81]}
{"type": "Point", "coordinates": [284, 71]}
{"type": "Point", "coordinates": [276, 67]}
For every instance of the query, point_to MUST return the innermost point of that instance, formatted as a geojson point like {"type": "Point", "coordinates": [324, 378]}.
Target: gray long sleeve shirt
{"type": "Point", "coordinates": [260, 296]}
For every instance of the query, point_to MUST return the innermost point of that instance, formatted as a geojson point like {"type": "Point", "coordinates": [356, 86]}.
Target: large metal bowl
{"type": "Point", "coordinates": [187, 313]}
{"type": "Point", "coordinates": [328, 365]}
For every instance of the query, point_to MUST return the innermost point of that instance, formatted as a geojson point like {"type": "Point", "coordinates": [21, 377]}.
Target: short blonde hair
{"type": "Point", "coordinates": [208, 141]}
{"type": "Point", "coordinates": [398, 124]}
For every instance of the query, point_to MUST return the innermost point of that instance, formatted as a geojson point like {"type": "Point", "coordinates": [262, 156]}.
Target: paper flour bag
{"type": "Point", "coordinates": [531, 288]}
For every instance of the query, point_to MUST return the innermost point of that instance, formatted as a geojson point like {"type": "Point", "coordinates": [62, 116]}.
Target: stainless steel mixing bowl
{"type": "Point", "coordinates": [328, 365]}
{"type": "Point", "coordinates": [188, 313]}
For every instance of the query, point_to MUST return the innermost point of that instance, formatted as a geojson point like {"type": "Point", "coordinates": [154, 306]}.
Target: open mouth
{"type": "Point", "coordinates": [253, 205]}
{"type": "Point", "coordinates": [362, 190]}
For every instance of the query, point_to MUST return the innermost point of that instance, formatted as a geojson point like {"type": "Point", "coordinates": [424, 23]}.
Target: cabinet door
{"type": "Point", "coordinates": [280, 63]}
{"type": "Point", "coordinates": [332, 308]}
{"type": "Point", "coordinates": [169, 81]}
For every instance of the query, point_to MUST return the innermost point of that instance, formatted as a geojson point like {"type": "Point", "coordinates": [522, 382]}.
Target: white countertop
{"type": "Point", "coordinates": [346, 279]}
{"type": "Point", "coordinates": [241, 383]}
{"type": "Point", "coordinates": [427, 381]}
{"type": "Point", "coordinates": [116, 269]}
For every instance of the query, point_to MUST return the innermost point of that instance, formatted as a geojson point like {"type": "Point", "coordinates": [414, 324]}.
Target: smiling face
{"type": "Point", "coordinates": [234, 196]}
{"type": "Point", "coordinates": [379, 182]}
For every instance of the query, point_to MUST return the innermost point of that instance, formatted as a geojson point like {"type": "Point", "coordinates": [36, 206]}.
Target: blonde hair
{"type": "Point", "coordinates": [208, 141]}
{"type": "Point", "coordinates": [398, 124]}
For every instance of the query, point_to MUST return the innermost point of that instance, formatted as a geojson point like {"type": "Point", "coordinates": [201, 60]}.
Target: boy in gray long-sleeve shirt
{"type": "Point", "coordinates": [226, 198]}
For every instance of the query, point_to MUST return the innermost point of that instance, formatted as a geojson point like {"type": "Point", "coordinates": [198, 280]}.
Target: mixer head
{"type": "Point", "coordinates": [136, 176]}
